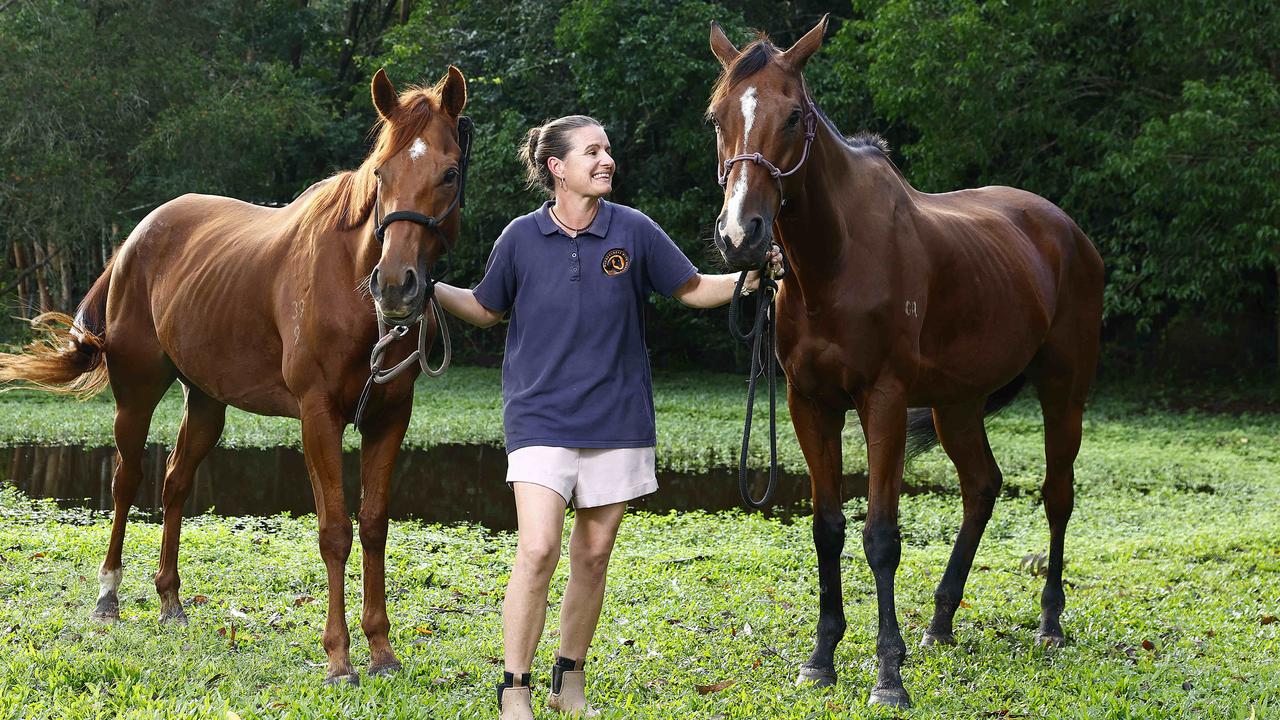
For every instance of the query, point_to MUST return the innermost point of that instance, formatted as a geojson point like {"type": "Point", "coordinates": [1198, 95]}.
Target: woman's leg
{"type": "Point", "coordinates": [591, 544]}
{"type": "Point", "coordinates": [540, 519]}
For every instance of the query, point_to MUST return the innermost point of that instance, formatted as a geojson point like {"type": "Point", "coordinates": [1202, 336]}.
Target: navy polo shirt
{"type": "Point", "coordinates": [576, 370]}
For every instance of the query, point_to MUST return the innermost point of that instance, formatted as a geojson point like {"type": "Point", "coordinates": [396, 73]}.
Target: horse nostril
{"type": "Point", "coordinates": [410, 283]}
{"type": "Point", "coordinates": [375, 286]}
{"type": "Point", "coordinates": [753, 228]}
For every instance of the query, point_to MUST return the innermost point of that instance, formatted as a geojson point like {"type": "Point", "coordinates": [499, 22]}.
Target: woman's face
{"type": "Point", "coordinates": [588, 168]}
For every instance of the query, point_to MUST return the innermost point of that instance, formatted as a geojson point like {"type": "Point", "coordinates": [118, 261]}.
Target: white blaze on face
{"type": "Point", "coordinates": [733, 228]}
{"type": "Point", "coordinates": [418, 149]}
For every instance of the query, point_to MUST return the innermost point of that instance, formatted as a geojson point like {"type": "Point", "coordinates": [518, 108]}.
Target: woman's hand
{"type": "Point", "coordinates": [774, 259]}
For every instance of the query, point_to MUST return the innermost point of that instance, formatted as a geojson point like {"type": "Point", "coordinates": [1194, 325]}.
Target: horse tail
{"type": "Point", "coordinates": [66, 357]}
{"type": "Point", "coordinates": [921, 433]}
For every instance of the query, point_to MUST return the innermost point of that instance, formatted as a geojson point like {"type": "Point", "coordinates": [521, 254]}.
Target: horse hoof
{"type": "Point", "coordinates": [890, 697]}
{"type": "Point", "coordinates": [931, 639]}
{"type": "Point", "coordinates": [176, 616]}
{"type": "Point", "coordinates": [1050, 640]}
{"type": "Point", "coordinates": [351, 679]}
{"type": "Point", "coordinates": [105, 617]}
{"type": "Point", "coordinates": [389, 668]}
{"type": "Point", "coordinates": [817, 677]}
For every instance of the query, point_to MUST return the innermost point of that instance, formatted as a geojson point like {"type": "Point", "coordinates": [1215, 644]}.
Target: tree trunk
{"type": "Point", "coordinates": [42, 284]}
{"type": "Point", "coordinates": [20, 264]}
{"type": "Point", "coordinates": [64, 278]}
{"type": "Point", "coordinates": [406, 9]}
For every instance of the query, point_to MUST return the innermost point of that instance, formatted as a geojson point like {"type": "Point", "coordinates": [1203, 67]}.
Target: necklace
{"type": "Point", "coordinates": [569, 227]}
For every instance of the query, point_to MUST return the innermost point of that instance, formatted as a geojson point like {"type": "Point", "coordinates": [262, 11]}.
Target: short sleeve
{"type": "Point", "coordinates": [666, 266]}
{"type": "Point", "coordinates": [497, 289]}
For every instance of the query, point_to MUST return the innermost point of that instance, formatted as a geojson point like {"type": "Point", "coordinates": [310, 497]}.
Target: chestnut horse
{"type": "Point", "coordinates": [900, 299]}
{"type": "Point", "coordinates": [266, 310]}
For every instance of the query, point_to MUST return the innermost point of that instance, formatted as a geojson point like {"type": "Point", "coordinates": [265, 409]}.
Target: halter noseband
{"type": "Point", "coordinates": [810, 131]}
{"type": "Point", "coordinates": [459, 198]}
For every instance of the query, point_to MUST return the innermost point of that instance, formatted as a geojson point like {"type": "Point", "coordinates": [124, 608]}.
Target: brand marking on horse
{"type": "Point", "coordinates": [418, 149]}
{"type": "Point", "coordinates": [299, 307]}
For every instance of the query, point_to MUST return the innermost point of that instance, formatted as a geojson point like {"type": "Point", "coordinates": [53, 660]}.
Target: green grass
{"type": "Point", "coordinates": [1173, 571]}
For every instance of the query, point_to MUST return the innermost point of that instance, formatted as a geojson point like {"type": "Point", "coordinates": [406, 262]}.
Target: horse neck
{"type": "Point", "coordinates": [828, 207]}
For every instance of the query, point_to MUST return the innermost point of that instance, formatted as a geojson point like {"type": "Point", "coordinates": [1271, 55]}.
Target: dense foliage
{"type": "Point", "coordinates": [1153, 124]}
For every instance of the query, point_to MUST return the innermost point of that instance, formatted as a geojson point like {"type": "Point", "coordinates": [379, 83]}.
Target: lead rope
{"type": "Point", "coordinates": [386, 336]}
{"type": "Point", "coordinates": [762, 336]}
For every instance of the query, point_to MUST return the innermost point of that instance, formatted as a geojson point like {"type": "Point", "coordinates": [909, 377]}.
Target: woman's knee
{"type": "Point", "coordinates": [538, 556]}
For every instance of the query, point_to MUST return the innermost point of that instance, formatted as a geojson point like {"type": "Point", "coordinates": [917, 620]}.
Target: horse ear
{"type": "Point", "coordinates": [724, 50]}
{"type": "Point", "coordinates": [797, 54]}
{"type": "Point", "coordinates": [385, 98]}
{"type": "Point", "coordinates": [453, 92]}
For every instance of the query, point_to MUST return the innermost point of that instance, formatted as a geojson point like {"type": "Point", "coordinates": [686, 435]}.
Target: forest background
{"type": "Point", "coordinates": [1153, 124]}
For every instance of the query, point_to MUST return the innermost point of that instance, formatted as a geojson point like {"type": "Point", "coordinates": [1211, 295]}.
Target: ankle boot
{"type": "Point", "coordinates": [514, 699]}
{"type": "Point", "coordinates": [568, 689]}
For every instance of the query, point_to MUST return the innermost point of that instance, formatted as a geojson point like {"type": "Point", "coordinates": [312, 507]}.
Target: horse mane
{"type": "Point", "coordinates": [345, 200]}
{"type": "Point", "coordinates": [753, 58]}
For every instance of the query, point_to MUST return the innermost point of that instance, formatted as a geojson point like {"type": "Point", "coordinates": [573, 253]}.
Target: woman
{"type": "Point", "coordinates": [577, 398]}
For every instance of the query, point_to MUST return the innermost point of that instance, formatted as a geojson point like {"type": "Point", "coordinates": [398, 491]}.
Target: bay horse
{"type": "Point", "coordinates": [898, 299]}
{"type": "Point", "coordinates": [266, 309]}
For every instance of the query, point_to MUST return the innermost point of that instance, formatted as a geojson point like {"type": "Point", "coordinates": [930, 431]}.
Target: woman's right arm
{"type": "Point", "coordinates": [463, 304]}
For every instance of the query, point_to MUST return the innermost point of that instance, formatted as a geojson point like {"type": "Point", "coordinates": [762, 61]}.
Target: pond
{"type": "Point", "coordinates": [444, 484]}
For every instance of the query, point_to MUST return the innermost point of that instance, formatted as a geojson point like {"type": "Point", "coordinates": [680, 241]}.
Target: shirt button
{"type": "Point", "coordinates": [573, 254]}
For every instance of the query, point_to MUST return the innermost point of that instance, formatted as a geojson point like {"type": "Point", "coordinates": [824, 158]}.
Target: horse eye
{"type": "Point", "coordinates": [794, 119]}
{"type": "Point", "coordinates": [450, 176]}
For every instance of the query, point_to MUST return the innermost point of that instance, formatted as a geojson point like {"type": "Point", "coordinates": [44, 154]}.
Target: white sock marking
{"type": "Point", "coordinates": [109, 581]}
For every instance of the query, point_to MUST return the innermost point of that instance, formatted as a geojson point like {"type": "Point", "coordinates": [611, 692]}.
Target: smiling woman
{"type": "Point", "coordinates": [577, 396]}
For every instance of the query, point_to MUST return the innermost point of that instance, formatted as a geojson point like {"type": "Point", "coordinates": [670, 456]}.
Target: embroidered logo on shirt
{"type": "Point", "coordinates": [615, 262]}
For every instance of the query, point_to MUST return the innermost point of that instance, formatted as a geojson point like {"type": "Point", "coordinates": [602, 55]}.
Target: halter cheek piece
{"type": "Point", "coordinates": [810, 131]}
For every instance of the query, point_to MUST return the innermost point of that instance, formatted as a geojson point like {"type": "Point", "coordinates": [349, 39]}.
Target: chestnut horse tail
{"type": "Point", "coordinates": [922, 435]}
{"type": "Point", "coordinates": [66, 356]}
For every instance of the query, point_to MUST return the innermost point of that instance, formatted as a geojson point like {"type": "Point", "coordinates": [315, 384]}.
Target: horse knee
{"type": "Point", "coordinates": [373, 533]}
{"type": "Point", "coordinates": [335, 540]}
{"type": "Point", "coordinates": [828, 533]}
{"type": "Point", "coordinates": [883, 547]}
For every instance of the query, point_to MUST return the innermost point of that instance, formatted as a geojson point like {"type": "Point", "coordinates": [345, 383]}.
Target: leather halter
{"type": "Point", "coordinates": [810, 131]}
{"type": "Point", "coordinates": [459, 198]}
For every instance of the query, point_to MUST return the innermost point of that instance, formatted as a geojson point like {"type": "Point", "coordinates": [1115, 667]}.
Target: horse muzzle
{"type": "Point", "coordinates": [744, 247]}
{"type": "Point", "coordinates": [400, 303]}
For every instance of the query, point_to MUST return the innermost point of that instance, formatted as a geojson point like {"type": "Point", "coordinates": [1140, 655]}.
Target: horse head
{"type": "Point", "coordinates": [765, 123]}
{"type": "Point", "coordinates": [418, 168]}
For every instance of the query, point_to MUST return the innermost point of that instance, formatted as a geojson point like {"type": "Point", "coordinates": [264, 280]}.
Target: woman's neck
{"type": "Point", "coordinates": [575, 212]}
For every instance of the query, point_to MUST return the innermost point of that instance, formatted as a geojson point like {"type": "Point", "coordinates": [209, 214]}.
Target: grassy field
{"type": "Point", "coordinates": [1173, 571]}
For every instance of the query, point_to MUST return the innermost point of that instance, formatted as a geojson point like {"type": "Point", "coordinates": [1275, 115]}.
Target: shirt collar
{"type": "Point", "coordinates": [598, 227]}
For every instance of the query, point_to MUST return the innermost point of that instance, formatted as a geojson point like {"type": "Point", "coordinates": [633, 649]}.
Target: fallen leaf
{"type": "Point", "coordinates": [1268, 619]}
{"type": "Point", "coordinates": [238, 613]}
{"type": "Point", "coordinates": [199, 599]}
{"type": "Point", "coordinates": [1148, 645]}
{"type": "Point", "coordinates": [755, 664]}
{"type": "Point", "coordinates": [301, 600]}
{"type": "Point", "coordinates": [708, 689]}
{"type": "Point", "coordinates": [746, 629]}
{"type": "Point", "coordinates": [424, 630]}
{"type": "Point", "coordinates": [1187, 685]}
{"type": "Point", "coordinates": [36, 555]}
{"type": "Point", "coordinates": [964, 604]}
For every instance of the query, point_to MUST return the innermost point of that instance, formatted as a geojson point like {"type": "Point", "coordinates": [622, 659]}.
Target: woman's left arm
{"type": "Point", "coordinates": [709, 291]}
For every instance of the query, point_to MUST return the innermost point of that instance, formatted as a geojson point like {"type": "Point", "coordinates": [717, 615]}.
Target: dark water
{"type": "Point", "coordinates": [446, 484]}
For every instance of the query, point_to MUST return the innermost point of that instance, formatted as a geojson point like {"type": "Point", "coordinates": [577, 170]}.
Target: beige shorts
{"type": "Point", "coordinates": [586, 477]}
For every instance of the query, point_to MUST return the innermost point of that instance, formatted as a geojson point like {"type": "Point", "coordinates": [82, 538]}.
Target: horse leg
{"type": "Point", "coordinates": [883, 413]}
{"type": "Point", "coordinates": [201, 427]}
{"type": "Point", "coordinates": [963, 436]}
{"type": "Point", "coordinates": [818, 429]}
{"type": "Point", "coordinates": [1062, 403]}
{"type": "Point", "coordinates": [378, 450]}
{"type": "Point", "coordinates": [137, 393]}
{"type": "Point", "coordinates": [322, 447]}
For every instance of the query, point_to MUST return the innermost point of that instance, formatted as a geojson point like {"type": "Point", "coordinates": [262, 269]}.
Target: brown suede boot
{"type": "Point", "coordinates": [568, 689]}
{"type": "Point", "coordinates": [514, 699]}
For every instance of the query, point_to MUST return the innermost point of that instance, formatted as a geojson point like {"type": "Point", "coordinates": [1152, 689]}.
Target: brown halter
{"type": "Point", "coordinates": [810, 131]}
